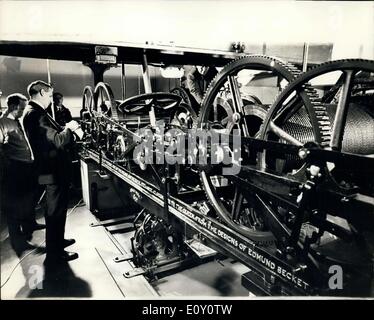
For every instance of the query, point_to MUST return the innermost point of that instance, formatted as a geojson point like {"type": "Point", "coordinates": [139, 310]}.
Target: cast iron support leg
{"type": "Point", "coordinates": [98, 71]}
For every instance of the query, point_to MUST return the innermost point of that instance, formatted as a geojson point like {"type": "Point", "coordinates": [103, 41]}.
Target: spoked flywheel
{"type": "Point", "coordinates": [340, 119]}
{"type": "Point", "coordinates": [186, 97]}
{"type": "Point", "coordinates": [100, 104]}
{"type": "Point", "coordinates": [88, 99]}
{"type": "Point", "coordinates": [86, 111]}
{"type": "Point", "coordinates": [104, 102]}
{"type": "Point", "coordinates": [236, 100]}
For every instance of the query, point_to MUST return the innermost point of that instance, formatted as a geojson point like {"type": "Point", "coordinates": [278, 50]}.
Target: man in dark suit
{"type": "Point", "coordinates": [58, 111]}
{"type": "Point", "coordinates": [51, 146]}
{"type": "Point", "coordinates": [198, 79]}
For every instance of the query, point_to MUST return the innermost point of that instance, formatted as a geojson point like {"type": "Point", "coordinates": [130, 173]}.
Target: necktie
{"type": "Point", "coordinates": [19, 124]}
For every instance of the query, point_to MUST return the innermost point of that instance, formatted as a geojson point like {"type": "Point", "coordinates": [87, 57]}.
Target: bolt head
{"type": "Point", "coordinates": [236, 117]}
{"type": "Point", "coordinates": [303, 153]}
{"type": "Point", "coordinates": [314, 170]}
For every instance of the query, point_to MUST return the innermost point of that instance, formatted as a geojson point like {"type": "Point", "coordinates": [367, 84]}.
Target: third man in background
{"type": "Point", "coordinates": [60, 113]}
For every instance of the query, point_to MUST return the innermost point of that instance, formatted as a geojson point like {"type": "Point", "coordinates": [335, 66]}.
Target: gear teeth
{"type": "Point", "coordinates": [322, 115]}
{"type": "Point", "coordinates": [316, 100]}
{"type": "Point", "coordinates": [324, 128]}
{"type": "Point", "coordinates": [324, 123]}
{"type": "Point", "coordinates": [288, 71]}
{"type": "Point", "coordinates": [319, 108]}
{"type": "Point", "coordinates": [310, 91]}
{"type": "Point", "coordinates": [316, 110]}
{"type": "Point", "coordinates": [342, 62]}
{"type": "Point", "coordinates": [289, 67]}
{"type": "Point", "coordinates": [326, 133]}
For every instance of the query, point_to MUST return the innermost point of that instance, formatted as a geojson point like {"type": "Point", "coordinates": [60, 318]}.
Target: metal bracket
{"type": "Point", "coordinates": [201, 250]}
{"type": "Point", "coordinates": [122, 227]}
{"type": "Point", "coordinates": [108, 222]}
{"type": "Point", "coordinates": [103, 175]}
{"type": "Point", "coordinates": [124, 257]}
{"type": "Point", "coordinates": [303, 199]}
{"type": "Point", "coordinates": [134, 273]}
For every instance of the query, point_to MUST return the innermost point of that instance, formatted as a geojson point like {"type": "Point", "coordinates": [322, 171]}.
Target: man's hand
{"type": "Point", "coordinates": [72, 125]}
{"type": "Point", "coordinates": [75, 127]}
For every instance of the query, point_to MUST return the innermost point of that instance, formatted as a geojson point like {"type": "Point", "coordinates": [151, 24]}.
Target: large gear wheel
{"type": "Point", "coordinates": [226, 106]}
{"type": "Point", "coordinates": [337, 121]}
{"type": "Point", "coordinates": [86, 111]}
{"type": "Point", "coordinates": [319, 115]}
{"type": "Point", "coordinates": [104, 102]}
{"type": "Point", "coordinates": [88, 99]}
{"type": "Point", "coordinates": [351, 129]}
{"type": "Point", "coordinates": [186, 97]}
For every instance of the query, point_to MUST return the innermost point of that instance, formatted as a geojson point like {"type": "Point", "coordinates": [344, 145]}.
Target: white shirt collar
{"type": "Point", "coordinates": [38, 103]}
{"type": "Point", "coordinates": [11, 116]}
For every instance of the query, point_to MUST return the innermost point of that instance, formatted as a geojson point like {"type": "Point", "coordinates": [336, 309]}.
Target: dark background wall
{"type": "Point", "coordinates": [70, 78]}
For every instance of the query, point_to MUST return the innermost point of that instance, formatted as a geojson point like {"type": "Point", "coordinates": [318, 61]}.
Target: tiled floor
{"type": "Point", "coordinates": [214, 278]}
{"type": "Point", "coordinates": [86, 277]}
{"type": "Point", "coordinates": [95, 275]}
